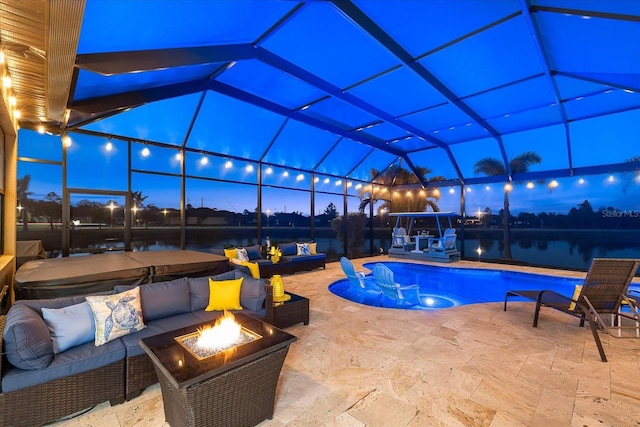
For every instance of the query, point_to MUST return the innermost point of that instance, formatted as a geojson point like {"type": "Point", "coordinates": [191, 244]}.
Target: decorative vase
{"type": "Point", "coordinates": [278, 289]}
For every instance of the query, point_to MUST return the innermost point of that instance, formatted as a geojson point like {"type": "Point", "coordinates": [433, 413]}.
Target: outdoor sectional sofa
{"type": "Point", "coordinates": [292, 261]}
{"type": "Point", "coordinates": [39, 386]}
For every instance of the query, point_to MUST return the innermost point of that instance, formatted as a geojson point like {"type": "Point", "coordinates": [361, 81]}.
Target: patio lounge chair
{"type": "Point", "coordinates": [402, 295]}
{"type": "Point", "coordinates": [399, 237]}
{"type": "Point", "coordinates": [444, 243]}
{"type": "Point", "coordinates": [603, 292]}
{"type": "Point", "coordinates": [357, 278]}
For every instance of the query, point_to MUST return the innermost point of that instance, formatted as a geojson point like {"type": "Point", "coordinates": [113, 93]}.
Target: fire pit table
{"type": "Point", "coordinates": [234, 387]}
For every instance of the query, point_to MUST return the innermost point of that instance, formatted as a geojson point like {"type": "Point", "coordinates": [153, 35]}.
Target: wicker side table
{"type": "Point", "coordinates": [291, 312]}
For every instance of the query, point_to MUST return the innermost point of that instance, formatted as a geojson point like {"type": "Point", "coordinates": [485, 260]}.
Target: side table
{"type": "Point", "coordinates": [291, 312]}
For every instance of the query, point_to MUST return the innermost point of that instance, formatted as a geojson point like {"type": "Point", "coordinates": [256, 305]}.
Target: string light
{"type": "Point", "coordinates": [145, 152]}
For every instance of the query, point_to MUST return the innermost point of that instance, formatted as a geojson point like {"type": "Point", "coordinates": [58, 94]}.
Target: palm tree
{"type": "Point", "coordinates": [494, 167]}
{"type": "Point", "coordinates": [22, 188]}
{"type": "Point", "coordinates": [400, 176]}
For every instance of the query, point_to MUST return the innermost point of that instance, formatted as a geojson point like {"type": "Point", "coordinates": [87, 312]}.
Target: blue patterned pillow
{"type": "Point", "coordinates": [116, 315]}
{"type": "Point", "coordinates": [302, 249]}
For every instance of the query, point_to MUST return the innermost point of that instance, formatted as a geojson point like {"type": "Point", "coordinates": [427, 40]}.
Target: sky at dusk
{"type": "Point", "coordinates": [92, 167]}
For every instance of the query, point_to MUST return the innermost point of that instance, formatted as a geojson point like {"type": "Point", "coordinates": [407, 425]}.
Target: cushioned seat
{"type": "Point", "coordinates": [79, 359]}
{"type": "Point", "coordinates": [155, 327]}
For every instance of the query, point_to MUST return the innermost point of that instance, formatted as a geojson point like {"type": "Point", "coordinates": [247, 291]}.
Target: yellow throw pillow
{"type": "Point", "coordinates": [230, 253]}
{"type": "Point", "coordinates": [224, 295]}
{"type": "Point", "coordinates": [253, 267]}
{"type": "Point", "coordinates": [313, 249]}
{"type": "Point", "coordinates": [576, 295]}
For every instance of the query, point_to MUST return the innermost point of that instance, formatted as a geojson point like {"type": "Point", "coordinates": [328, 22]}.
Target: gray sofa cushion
{"type": "Point", "coordinates": [27, 341]}
{"type": "Point", "coordinates": [252, 294]}
{"type": "Point", "coordinates": [82, 358]}
{"type": "Point", "coordinates": [162, 299]}
{"type": "Point", "coordinates": [288, 248]}
{"type": "Point", "coordinates": [253, 252]}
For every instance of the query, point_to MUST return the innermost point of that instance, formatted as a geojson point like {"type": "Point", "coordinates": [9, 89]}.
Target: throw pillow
{"type": "Point", "coordinates": [252, 294]}
{"type": "Point", "coordinates": [253, 252]}
{"type": "Point", "coordinates": [242, 255]}
{"type": "Point", "coordinates": [288, 249]}
{"type": "Point", "coordinates": [164, 299]}
{"type": "Point", "coordinates": [116, 315]}
{"type": "Point", "coordinates": [253, 267]}
{"type": "Point", "coordinates": [27, 341]}
{"type": "Point", "coordinates": [303, 248]}
{"type": "Point", "coordinates": [230, 253]}
{"type": "Point", "coordinates": [313, 248]}
{"type": "Point", "coordinates": [224, 294]}
{"type": "Point", "coordinates": [70, 326]}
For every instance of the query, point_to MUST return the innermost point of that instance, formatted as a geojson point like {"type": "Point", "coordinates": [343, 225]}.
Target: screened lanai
{"type": "Point", "coordinates": [199, 124]}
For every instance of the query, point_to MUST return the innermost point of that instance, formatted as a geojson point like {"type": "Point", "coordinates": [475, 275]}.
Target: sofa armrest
{"type": "Point", "coordinates": [268, 302]}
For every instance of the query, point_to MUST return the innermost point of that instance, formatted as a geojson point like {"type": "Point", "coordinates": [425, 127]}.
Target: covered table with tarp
{"type": "Point", "coordinates": [168, 265]}
{"type": "Point", "coordinates": [80, 275]}
{"type": "Point", "coordinates": [26, 250]}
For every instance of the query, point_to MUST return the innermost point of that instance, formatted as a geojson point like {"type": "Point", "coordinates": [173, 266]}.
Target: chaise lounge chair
{"type": "Point", "coordinates": [603, 292]}
{"type": "Point", "coordinates": [445, 243]}
{"type": "Point", "coordinates": [402, 295]}
{"type": "Point", "coordinates": [357, 279]}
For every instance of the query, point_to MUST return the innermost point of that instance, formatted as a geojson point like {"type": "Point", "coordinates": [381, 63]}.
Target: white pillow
{"type": "Point", "coordinates": [242, 254]}
{"type": "Point", "coordinates": [116, 315]}
{"type": "Point", "coordinates": [303, 248]}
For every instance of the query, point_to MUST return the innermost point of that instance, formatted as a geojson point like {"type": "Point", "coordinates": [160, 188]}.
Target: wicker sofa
{"type": "Point", "coordinates": [292, 261]}
{"type": "Point", "coordinates": [44, 386]}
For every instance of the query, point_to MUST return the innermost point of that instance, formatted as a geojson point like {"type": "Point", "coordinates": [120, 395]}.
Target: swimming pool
{"type": "Point", "coordinates": [445, 286]}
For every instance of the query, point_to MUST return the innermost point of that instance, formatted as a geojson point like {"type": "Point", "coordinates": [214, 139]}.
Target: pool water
{"type": "Point", "coordinates": [445, 286]}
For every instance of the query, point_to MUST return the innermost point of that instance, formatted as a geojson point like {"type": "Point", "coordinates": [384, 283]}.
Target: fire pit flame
{"type": "Point", "coordinates": [224, 333]}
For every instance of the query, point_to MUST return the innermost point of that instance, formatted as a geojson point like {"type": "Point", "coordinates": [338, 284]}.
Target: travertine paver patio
{"type": "Point", "coordinates": [473, 365]}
